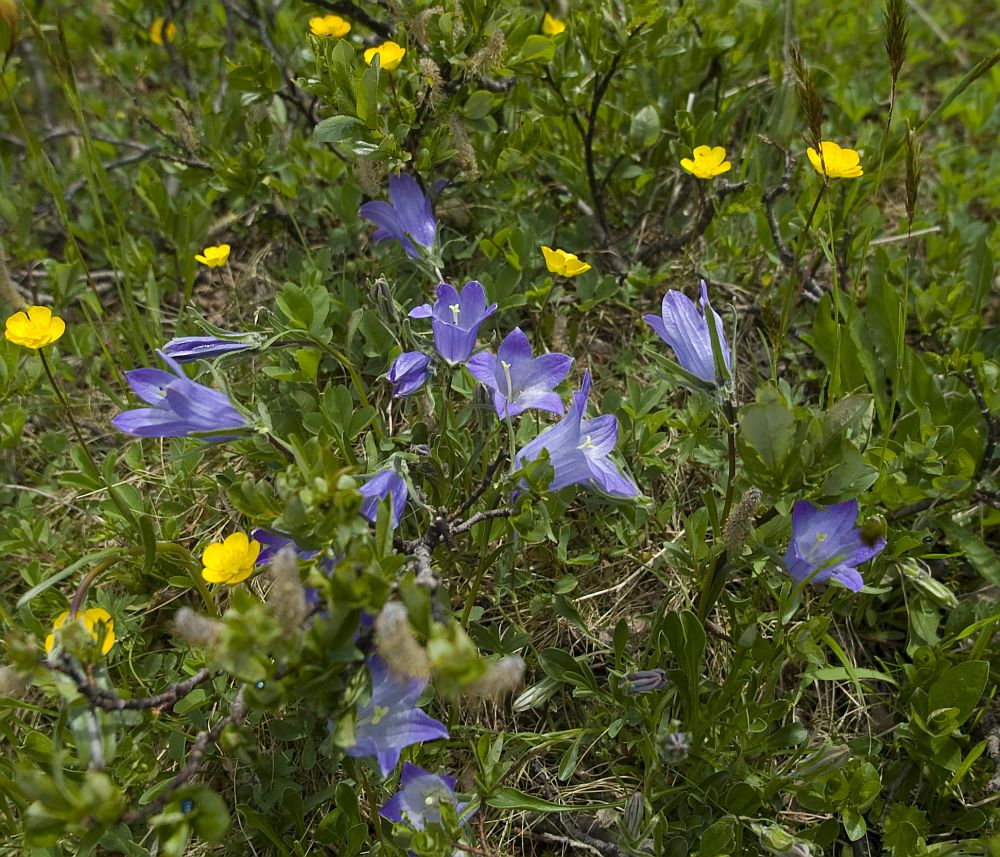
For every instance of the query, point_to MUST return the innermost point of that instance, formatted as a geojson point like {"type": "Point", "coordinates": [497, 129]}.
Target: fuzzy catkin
{"type": "Point", "coordinates": [287, 596]}
{"type": "Point", "coordinates": [490, 55]}
{"type": "Point", "coordinates": [739, 524]}
{"type": "Point", "coordinates": [196, 629]}
{"type": "Point", "coordinates": [13, 684]}
{"type": "Point", "coordinates": [369, 175]}
{"type": "Point", "coordinates": [463, 148]}
{"type": "Point", "coordinates": [501, 677]}
{"type": "Point", "coordinates": [432, 75]}
{"type": "Point", "coordinates": [418, 26]}
{"type": "Point", "coordinates": [396, 643]}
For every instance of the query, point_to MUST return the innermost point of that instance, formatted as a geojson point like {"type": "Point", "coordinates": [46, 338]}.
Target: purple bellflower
{"type": "Point", "coordinates": [391, 720]}
{"type": "Point", "coordinates": [181, 407]}
{"type": "Point", "coordinates": [518, 380]}
{"type": "Point", "coordinates": [271, 543]}
{"type": "Point", "coordinates": [684, 327]}
{"type": "Point", "coordinates": [408, 218]}
{"type": "Point", "coordinates": [418, 801]}
{"type": "Point", "coordinates": [408, 373]}
{"type": "Point", "coordinates": [579, 450]}
{"type": "Point", "coordinates": [386, 483]}
{"type": "Point", "coordinates": [826, 543]}
{"type": "Point", "coordinates": [184, 349]}
{"type": "Point", "coordinates": [455, 318]}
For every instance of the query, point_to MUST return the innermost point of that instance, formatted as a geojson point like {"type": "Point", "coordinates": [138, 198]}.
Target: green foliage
{"type": "Point", "coordinates": [862, 316]}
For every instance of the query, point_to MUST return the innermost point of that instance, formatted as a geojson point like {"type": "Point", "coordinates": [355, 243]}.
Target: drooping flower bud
{"type": "Point", "coordinates": [645, 681]}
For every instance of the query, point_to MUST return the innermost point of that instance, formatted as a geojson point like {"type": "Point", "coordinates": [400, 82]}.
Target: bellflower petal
{"type": "Point", "coordinates": [455, 319]}
{"type": "Point", "coordinates": [578, 450]}
{"type": "Point", "coordinates": [684, 327]}
{"type": "Point", "coordinates": [826, 543]}
{"type": "Point", "coordinates": [408, 373]}
{"type": "Point", "coordinates": [519, 381]}
{"type": "Point", "coordinates": [386, 483]}
{"type": "Point", "coordinates": [271, 543]}
{"type": "Point", "coordinates": [182, 407]}
{"type": "Point", "coordinates": [391, 720]}
{"type": "Point", "coordinates": [184, 349]}
{"type": "Point", "coordinates": [419, 799]}
{"type": "Point", "coordinates": [408, 219]}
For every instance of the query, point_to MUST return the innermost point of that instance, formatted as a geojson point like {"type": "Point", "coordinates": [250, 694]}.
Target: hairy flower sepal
{"type": "Point", "coordinates": [455, 319]}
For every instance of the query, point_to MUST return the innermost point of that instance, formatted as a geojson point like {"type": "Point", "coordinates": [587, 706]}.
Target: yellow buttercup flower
{"type": "Point", "coordinates": [329, 26]}
{"type": "Point", "coordinates": [97, 622]}
{"type": "Point", "coordinates": [561, 262]}
{"type": "Point", "coordinates": [552, 26]}
{"type": "Point", "coordinates": [389, 54]}
{"type": "Point", "coordinates": [161, 30]}
{"type": "Point", "coordinates": [34, 327]}
{"type": "Point", "coordinates": [214, 257]}
{"type": "Point", "coordinates": [708, 162]}
{"type": "Point", "coordinates": [230, 561]}
{"type": "Point", "coordinates": [840, 163]}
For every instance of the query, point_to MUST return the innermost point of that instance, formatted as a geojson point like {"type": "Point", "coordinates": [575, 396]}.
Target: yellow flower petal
{"type": "Point", "coordinates": [552, 26]}
{"type": "Point", "coordinates": [34, 328]}
{"type": "Point", "coordinates": [563, 263]}
{"type": "Point", "coordinates": [836, 162]}
{"type": "Point", "coordinates": [389, 54]}
{"type": "Point", "coordinates": [707, 163]}
{"type": "Point", "coordinates": [214, 555]}
{"type": "Point", "coordinates": [214, 257]}
{"type": "Point", "coordinates": [96, 621]}
{"type": "Point", "coordinates": [230, 561]}
{"type": "Point", "coordinates": [329, 26]}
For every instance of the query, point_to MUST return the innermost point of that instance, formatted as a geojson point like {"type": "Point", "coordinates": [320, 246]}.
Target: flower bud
{"type": "Point", "coordinates": [408, 372]}
{"type": "Point", "coordinates": [645, 681]}
{"type": "Point", "coordinates": [824, 761]}
{"type": "Point", "coordinates": [635, 814]}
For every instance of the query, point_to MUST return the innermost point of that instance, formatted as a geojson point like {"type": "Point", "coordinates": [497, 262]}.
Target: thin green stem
{"type": "Point", "coordinates": [85, 583]}
{"type": "Point", "coordinates": [792, 289]}
{"type": "Point", "coordinates": [191, 567]}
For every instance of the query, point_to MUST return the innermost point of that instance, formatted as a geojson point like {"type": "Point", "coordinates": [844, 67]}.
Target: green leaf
{"type": "Point", "coordinates": [334, 129]}
{"type": "Point", "coordinates": [960, 687]}
{"type": "Point", "coordinates": [508, 798]}
{"type": "Point", "coordinates": [479, 105]}
{"type": "Point", "coordinates": [645, 127]}
{"type": "Point", "coordinates": [844, 674]}
{"type": "Point", "coordinates": [537, 48]}
{"type": "Point", "coordinates": [768, 427]}
{"type": "Point", "coordinates": [980, 557]}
